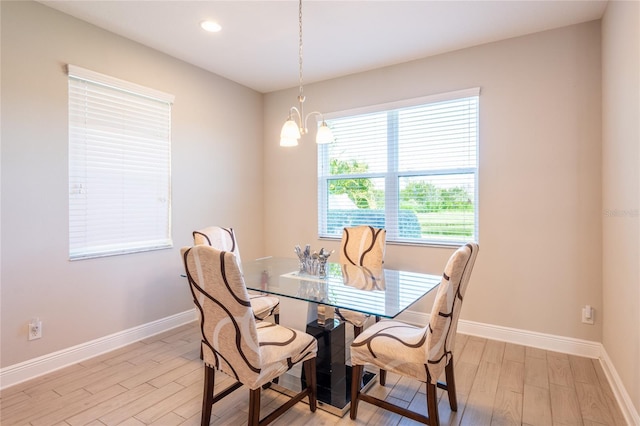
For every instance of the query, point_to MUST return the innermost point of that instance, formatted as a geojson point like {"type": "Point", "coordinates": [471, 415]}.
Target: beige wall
{"type": "Point", "coordinates": [621, 190]}
{"type": "Point", "coordinates": [545, 180]}
{"type": "Point", "coordinates": [539, 177]}
{"type": "Point", "coordinates": [216, 178]}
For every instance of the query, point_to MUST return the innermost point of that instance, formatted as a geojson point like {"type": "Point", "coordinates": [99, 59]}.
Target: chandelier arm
{"type": "Point", "coordinates": [295, 114]}
{"type": "Point", "coordinates": [310, 114]}
{"type": "Point", "coordinates": [296, 110]}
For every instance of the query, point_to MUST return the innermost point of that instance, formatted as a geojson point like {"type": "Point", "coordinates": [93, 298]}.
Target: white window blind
{"type": "Point", "coordinates": [409, 167]}
{"type": "Point", "coordinates": [119, 166]}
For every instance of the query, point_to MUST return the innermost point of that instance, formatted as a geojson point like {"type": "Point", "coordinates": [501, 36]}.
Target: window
{"type": "Point", "coordinates": [410, 167]}
{"type": "Point", "coordinates": [119, 166]}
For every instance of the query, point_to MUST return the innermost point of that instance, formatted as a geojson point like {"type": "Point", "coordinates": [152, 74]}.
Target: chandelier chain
{"type": "Point", "coordinates": [301, 95]}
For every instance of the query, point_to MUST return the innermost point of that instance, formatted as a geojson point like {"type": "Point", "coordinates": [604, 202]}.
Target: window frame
{"type": "Point", "coordinates": [114, 121]}
{"type": "Point", "coordinates": [392, 176]}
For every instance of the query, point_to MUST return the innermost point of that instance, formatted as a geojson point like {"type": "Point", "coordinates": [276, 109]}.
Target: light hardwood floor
{"type": "Point", "coordinates": [158, 381]}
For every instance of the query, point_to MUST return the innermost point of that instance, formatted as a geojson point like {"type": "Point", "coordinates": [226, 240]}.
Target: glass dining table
{"type": "Point", "coordinates": [382, 293]}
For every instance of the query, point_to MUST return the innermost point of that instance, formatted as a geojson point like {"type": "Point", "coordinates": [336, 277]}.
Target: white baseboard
{"type": "Point", "coordinates": [548, 342]}
{"type": "Point", "coordinates": [584, 348]}
{"type": "Point", "coordinates": [17, 373]}
{"type": "Point", "coordinates": [624, 400]}
{"type": "Point", "coordinates": [33, 368]}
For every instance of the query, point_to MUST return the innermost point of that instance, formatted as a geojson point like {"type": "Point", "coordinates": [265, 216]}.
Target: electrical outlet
{"type": "Point", "coordinates": [587, 314]}
{"type": "Point", "coordinates": [35, 329]}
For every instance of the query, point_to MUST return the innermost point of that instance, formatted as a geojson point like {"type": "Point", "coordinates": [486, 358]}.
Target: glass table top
{"type": "Point", "coordinates": [383, 292]}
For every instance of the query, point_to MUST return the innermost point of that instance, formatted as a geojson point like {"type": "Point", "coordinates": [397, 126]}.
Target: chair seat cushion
{"type": "Point", "coordinates": [264, 306]}
{"type": "Point", "coordinates": [392, 346]}
{"type": "Point", "coordinates": [358, 319]}
{"type": "Point", "coordinates": [280, 349]}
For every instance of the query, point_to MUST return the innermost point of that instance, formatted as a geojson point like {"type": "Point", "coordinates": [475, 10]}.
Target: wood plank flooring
{"type": "Point", "coordinates": [158, 381]}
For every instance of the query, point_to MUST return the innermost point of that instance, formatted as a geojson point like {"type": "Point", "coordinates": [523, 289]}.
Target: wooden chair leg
{"type": "Point", "coordinates": [356, 378]}
{"type": "Point", "coordinates": [432, 405]}
{"type": "Point", "coordinates": [276, 319]}
{"type": "Point", "coordinates": [383, 377]}
{"type": "Point", "coordinates": [451, 386]}
{"type": "Point", "coordinates": [310, 374]}
{"type": "Point", "coordinates": [254, 407]}
{"type": "Point", "coordinates": [357, 330]}
{"type": "Point", "coordinates": [207, 396]}
{"type": "Point", "coordinates": [357, 395]}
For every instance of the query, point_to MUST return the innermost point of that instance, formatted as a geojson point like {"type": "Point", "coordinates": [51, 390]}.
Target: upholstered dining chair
{"type": "Point", "coordinates": [233, 342]}
{"type": "Point", "coordinates": [422, 353]}
{"type": "Point", "coordinates": [361, 246]}
{"type": "Point", "coordinates": [225, 239]}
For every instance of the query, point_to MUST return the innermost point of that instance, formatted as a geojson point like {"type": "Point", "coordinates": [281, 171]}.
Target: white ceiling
{"type": "Point", "coordinates": [258, 44]}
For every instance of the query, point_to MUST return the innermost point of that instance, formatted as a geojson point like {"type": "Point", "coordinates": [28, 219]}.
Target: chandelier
{"type": "Point", "coordinates": [295, 127]}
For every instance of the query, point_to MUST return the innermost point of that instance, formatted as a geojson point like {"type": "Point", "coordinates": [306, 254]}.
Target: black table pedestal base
{"type": "Point", "coordinates": [332, 375]}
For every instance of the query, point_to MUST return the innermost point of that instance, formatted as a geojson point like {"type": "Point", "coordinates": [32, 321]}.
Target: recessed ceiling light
{"type": "Point", "coordinates": [212, 27]}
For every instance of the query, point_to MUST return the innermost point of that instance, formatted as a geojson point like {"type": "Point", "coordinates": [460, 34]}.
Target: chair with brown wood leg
{"type": "Point", "coordinates": [422, 353]}
{"type": "Point", "coordinates": [233, 342]}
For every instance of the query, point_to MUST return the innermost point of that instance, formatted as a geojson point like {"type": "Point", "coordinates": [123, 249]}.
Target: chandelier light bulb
{"type": "Point", "coordinates": [324, 134]}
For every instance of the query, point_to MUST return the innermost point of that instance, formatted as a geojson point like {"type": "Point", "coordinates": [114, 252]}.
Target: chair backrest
{"type": "Point", "coordinates": [443, 324]}
{"type": "Point", "coordinates": [363, 246]}
{"type": "Point", "coordinates": [229, 336]}
{"type": "Point", "coordinates": [218, 237]}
